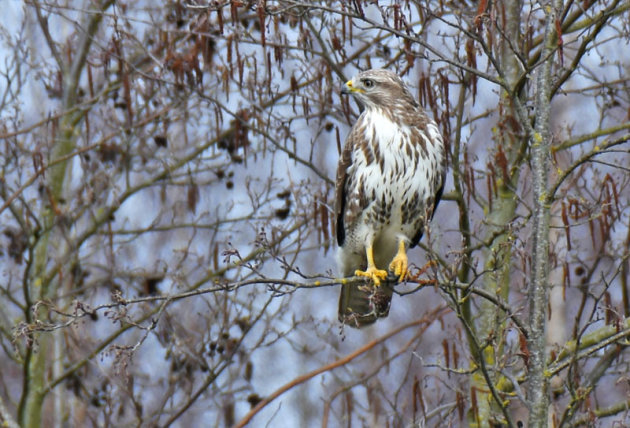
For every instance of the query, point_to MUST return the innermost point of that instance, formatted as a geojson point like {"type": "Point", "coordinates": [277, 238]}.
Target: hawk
{"type": "Point", "coordinates": [389, 180]}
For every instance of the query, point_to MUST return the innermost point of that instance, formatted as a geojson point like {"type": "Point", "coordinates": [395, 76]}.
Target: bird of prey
{"type": "Point", "coordinates": [389, 180]}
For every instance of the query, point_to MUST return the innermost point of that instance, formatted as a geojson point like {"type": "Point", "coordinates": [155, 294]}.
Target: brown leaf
{"type": "Point", "coordinates": [220, 19]}
{"type": "Point", "coordinates": [192, 197]}
{"type": "Point", "coordinates": [260, 11]}
{"type": "Point", "coordinates": [160, 141]}
{"type": "Point", "coordinates": [447, 354]}
{"type": "Point", "coordinates": [455, 356]}
{"type": "Point", "coordinates": [228, 414]}
{"type": "Point", "coordinates": [18, 243]}
{"type": "Point", "coordinates": [108, 152]}
{"type": "Point", "coordinates": [560, 42]}
{"type": "Point", "coordinates": [294, 84]}
{"type": "Point", "coordinates": [249, 370]}
{"type": "Point", "coordinates": [150, 284]}
{"type": "Point", "coordinates": [567, 229]}
{"type": "Point", "coordinates": [234, 10]}
{"type": "Point", "coordinates": [490, 192]}
{"type": "Point", "coordinates": [591, 228]}
{"type": "Point", "coordinates": [522, 341]}
{"type": "Point", "coordinates": [336, 43]}
{"type": "Point", "coordinates": [127, 95]}
{"type": "Point", "coordinates": [481, 10]}
{"type": "Point", "coordinates": [417, 398]}
{"type": "Point", "coordinates": [215, 257]}
{"type": "Point", "coordinates": [461, 404]}
{"type": "Point", "coordinates": [609, 311]}
{"type": "Point", "coordinates": [282, 213]}
{"type": "Point", "coordinates": [566, 279]}
{"type": "Point", "coordinates": [253, 399]}
{"type": "Point", "coordinates": [474, 407]}
{"type": "Point", "coordinates": [502, 162]}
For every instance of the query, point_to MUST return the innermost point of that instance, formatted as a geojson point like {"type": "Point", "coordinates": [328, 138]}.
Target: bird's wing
{"type": "Point", "coordinates": [341, 185]}
{"type": "Point", "coordinates": [421, 124]}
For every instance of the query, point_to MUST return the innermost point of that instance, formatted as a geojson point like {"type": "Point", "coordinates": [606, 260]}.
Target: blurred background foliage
{"type": "Point", "coordinates": [166, 234]}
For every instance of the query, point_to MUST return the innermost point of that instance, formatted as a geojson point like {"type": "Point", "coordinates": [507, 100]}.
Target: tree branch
{"type": "Point", "coordinates": [426, 320]}
{"type": "Point", "coordinates": [540, 143]}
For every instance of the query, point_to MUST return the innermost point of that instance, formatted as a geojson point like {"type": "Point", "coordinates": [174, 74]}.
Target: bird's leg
{"type": "Point", "coordinates": [372, 272]}
{"type": "Point", "coordinates": [399, 264]}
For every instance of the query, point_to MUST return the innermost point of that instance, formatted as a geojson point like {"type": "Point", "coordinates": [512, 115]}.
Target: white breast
{"type": "Point", "coordinates": [396, 181]}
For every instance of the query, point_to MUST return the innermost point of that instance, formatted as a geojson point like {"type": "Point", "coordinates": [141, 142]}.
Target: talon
{"type": "Point", "coordinates": [399, 265]}
{"type": "Point", "coordinates": [376, 275]}
{"type": "Point", "coordinates": [372, 272]}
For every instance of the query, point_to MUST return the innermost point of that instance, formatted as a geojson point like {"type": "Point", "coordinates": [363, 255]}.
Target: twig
{"type": "Point", "coordinates": [340, 362]}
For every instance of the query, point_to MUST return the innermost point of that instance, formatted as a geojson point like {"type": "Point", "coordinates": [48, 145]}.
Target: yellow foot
{"type": "Point", "coordinates": [399, 266]}
{"type": "Point", "coordinates": [376, 275]}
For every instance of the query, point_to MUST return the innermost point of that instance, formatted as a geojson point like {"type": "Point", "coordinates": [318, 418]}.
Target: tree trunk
{"type": "Point", "coordinates": [499, 255]}
{"type": "Point", "coordinates": [42, 284]}
{"type": "Point", "coordinates": [540, 143]}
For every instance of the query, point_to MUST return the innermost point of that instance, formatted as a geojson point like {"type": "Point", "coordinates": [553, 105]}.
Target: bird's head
{"type": "Point", "coordinates": [378, 88]}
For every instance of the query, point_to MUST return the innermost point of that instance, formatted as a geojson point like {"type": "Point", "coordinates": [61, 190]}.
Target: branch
{"type": "Point", "coordinates": [592, 136]}
{"type": "Point", "coordinates": [72, 78]}
{"type": "Point", "coordinates": [539, 286]}
{"type": "Point", "coordinates": [427, 319]}
{"type": "Point", "coordinates": [214, 374]}
{"type": "Point", "coordinates": [7, 419]}
{"type": "Point", "coordinates": [600, 22]}
{"type": "Point", "coordinates": [597, 150]}
{"type": "Point", "coordinates": [43, 23]}
{"type": "Point", "coordinates": [589, 344]}
{"type": "Point", "coordinates": [622, 406]}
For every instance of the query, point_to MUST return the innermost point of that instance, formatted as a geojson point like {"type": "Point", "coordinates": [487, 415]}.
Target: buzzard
{"type": "Point", "coordinates": [389, 180]}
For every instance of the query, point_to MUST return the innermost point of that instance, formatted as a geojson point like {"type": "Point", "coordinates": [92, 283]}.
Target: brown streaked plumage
{"type": "Point", "coordinates": [389, 180]}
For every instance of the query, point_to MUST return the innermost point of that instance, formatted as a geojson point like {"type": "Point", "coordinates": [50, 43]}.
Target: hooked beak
{"type": "Point", "coordinates": [348, 88]}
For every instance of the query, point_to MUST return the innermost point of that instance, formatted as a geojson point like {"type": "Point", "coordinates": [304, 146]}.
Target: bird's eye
{"type": "Point", "coordinates": [368, 83]}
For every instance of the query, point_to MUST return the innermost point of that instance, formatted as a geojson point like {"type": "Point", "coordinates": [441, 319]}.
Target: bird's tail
{"type": "Point", "coordinates": [362, 304]}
